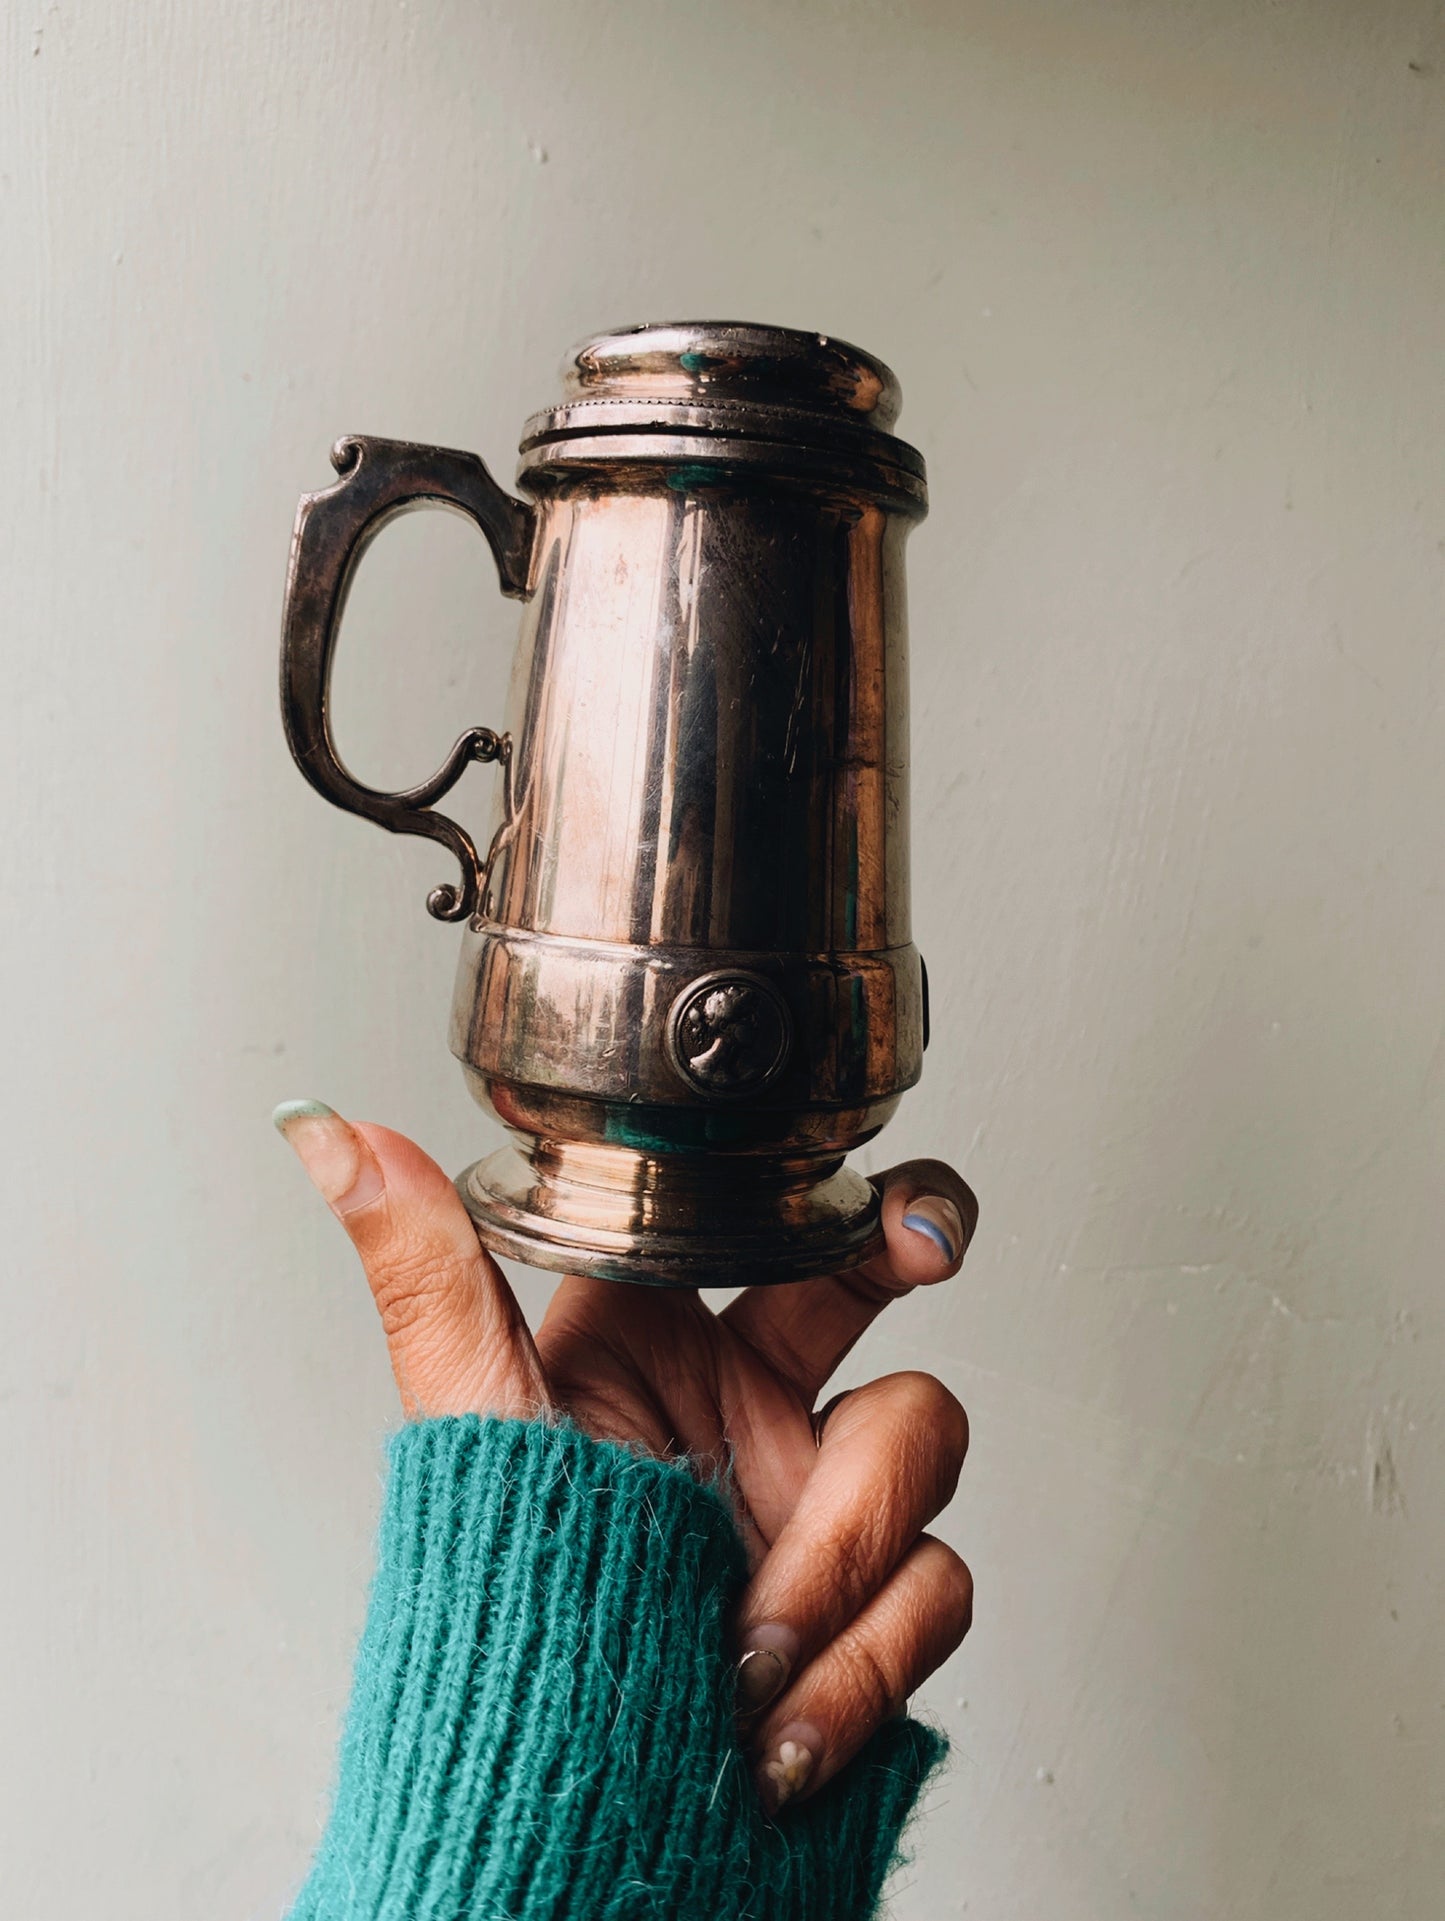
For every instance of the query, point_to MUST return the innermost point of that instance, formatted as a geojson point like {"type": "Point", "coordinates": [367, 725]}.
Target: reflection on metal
{"type": "Point", "coordinates": [687, 984]}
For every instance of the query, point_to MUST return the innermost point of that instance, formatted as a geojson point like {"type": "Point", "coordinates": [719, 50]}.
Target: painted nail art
{"type": "Point", "coordinates": [939, 1220]}
{"type": "Point", "coordinates": [786, 1769]}
{"type": "Point", "coordinates": [327, 1147]}
{"type": "Point", "coordinates": [291, 1111]}
{"type": "Point", "coordinates": [762, 1675]}
{"type": "Point", "coordinates": [769, 1655]}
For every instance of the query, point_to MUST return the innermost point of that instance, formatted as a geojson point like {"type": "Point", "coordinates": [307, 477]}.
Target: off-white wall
{"type": "Point", "coordinates": [1164, 284]}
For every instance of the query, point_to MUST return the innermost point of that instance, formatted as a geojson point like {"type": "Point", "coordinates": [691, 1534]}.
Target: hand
{"type": "Point", "coordinates": [850, 1604]}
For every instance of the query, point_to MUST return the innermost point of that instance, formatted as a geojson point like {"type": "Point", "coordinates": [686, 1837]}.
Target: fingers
{"type": "Point", "coordinates": [887, 1464]}
{"type": "Point", "coordinates": [457, 1339]}
{"type": "Point", "coordinates": [928, 1218]}
{"type": "Point", "coordinates": [864, 1677]}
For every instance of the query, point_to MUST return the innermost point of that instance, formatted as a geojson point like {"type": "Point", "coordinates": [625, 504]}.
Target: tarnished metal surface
{"type": "Point", "coordinates": [687, 982]}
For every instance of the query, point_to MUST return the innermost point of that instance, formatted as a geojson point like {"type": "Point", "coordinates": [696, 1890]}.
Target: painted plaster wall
{"type": "Point", "coordinates": [1164, 284]}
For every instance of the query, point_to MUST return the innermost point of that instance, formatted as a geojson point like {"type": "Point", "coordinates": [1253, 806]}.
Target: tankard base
{"type": "Point", "coordinates": [698, 1222]}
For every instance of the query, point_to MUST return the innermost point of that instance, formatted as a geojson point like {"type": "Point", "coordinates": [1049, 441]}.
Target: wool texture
{"type": "Point", "coordinates": [541, 1722]}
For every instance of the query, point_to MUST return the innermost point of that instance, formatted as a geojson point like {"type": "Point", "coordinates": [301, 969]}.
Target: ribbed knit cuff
{"type": "Point", "coordinates": [541, 1719]}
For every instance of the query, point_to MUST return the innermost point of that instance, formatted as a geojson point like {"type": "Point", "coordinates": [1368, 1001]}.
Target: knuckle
{"type": "Point", "coordinates": [855, 1556]}
{"type": "Point", "coordinates": [875, 1690]}
{"type": "Point", "coordinates": [406, 1283]}
{"type": "Point", "coordinates": [933, 1411]}
{"type": "Point", "coordinates": [951, 1581]}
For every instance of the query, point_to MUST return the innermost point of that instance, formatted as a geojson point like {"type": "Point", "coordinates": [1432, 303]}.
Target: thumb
{"type": "Point", "coordinates": [457, 1338]}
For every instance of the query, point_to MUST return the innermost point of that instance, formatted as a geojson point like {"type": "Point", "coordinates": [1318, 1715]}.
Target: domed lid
{"type": "Point", "coordinates": [727, 393]}
{"type": "Point", "coordinates": [703, 362]}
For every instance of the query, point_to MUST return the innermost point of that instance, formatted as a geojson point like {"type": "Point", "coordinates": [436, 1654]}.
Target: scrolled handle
{"type": "Point", "coordinates": [380, 479]}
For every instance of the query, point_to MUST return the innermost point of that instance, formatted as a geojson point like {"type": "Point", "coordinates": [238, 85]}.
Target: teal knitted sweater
{"type": "Point", "coordinates": [541, 1718]}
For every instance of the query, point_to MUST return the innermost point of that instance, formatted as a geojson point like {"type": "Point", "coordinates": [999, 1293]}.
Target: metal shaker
{"type": "Point", "coordinates": [687, 985]}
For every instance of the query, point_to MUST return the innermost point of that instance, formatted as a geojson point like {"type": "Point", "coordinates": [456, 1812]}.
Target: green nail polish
{"type": "Point", "coordinates": [290, 1111]}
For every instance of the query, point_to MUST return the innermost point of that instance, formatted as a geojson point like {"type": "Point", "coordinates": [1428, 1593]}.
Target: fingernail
{"type": "Point", "coordinates": [331, 1153]}
{"type": "Point", "coordinates": [761, 1677]}
{"type": "Point", "coordinates": [788, 1765]}
{"type": "Point", "coordinates": [940, 1220]}
{"type": "Point", "coordinates": [769, 1652]}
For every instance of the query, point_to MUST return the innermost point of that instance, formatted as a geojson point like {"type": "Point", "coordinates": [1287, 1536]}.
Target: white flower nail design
{"type": "Point", "coordinates": [788, 1770]}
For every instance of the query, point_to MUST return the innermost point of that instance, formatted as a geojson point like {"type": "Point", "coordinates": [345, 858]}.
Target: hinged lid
{"type": "Point", "coordinates": [701, 362]}
{"type": "Point", "coordinates": [725, 391]}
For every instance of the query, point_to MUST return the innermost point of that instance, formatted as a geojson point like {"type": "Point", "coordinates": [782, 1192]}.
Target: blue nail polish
{"type": "Point", "coordinates": [290, 1111]}
{"type": "Point", "coordinates": [922, 1224]}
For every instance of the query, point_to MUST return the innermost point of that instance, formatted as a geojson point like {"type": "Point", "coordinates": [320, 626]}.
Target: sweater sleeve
{"type": "Point", "coordinates": [541, 1718]}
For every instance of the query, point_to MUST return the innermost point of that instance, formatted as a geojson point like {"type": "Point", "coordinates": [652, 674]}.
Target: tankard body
{"type": "Point", "coordinates": [687, 984]}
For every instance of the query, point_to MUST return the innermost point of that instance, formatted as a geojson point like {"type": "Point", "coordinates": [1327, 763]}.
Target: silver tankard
{"type": "Point", "coordinates": [687, 985]}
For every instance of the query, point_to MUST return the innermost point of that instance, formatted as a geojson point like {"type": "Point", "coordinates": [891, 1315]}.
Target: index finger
{"type": "Point", "coordinates": [804, 1330]}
